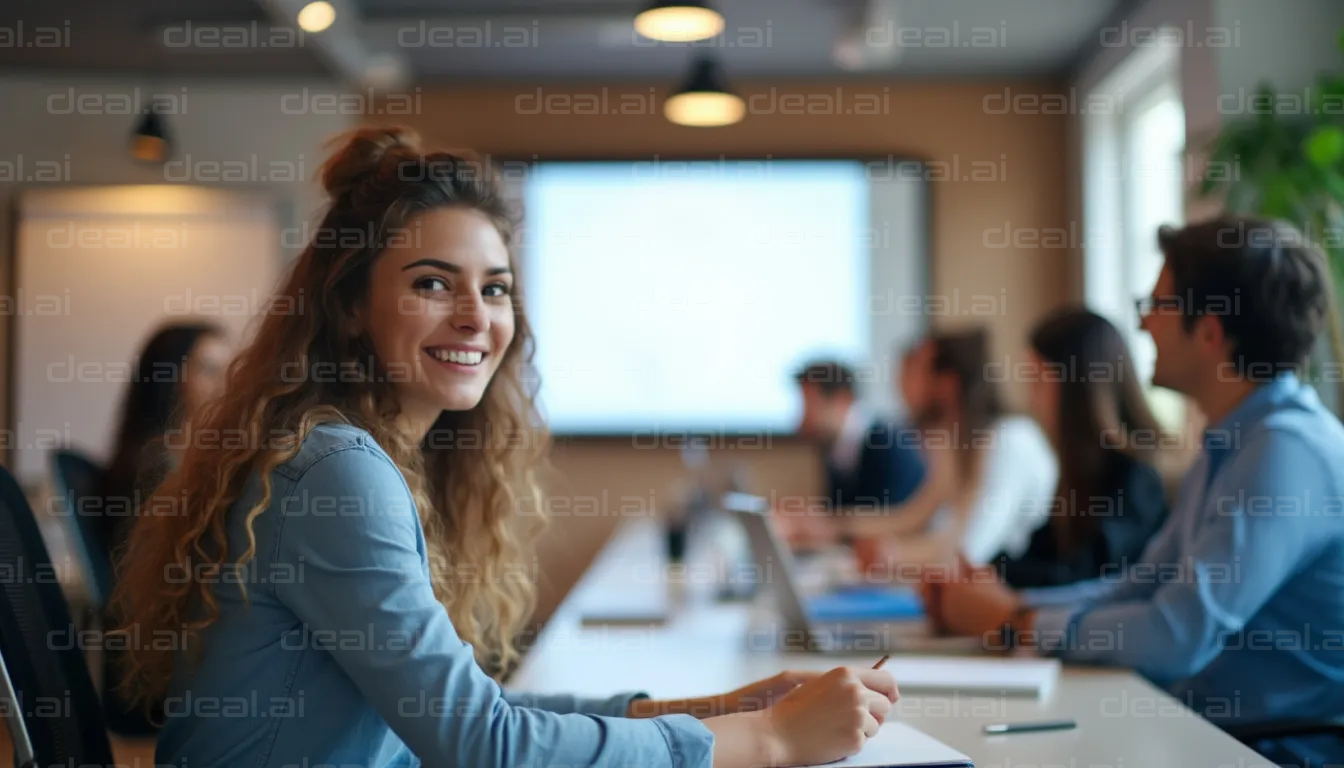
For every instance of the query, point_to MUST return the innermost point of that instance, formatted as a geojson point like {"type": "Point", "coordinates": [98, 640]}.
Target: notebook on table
{"type": "Point", "coordinates": [898, 745]}
{"type": "Point", "coordinates": [1014, 677]}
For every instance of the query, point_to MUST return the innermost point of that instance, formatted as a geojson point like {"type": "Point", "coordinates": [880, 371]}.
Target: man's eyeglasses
{"type": "Point", "coordinates": [1151, 305]}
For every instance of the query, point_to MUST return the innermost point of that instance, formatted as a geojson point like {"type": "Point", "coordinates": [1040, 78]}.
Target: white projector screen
{"type": "Point", "coordinates": [666, 299]}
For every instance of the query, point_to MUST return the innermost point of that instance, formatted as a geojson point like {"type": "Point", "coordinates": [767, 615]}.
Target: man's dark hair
{"type": "Point", "coordinates": [1265, 282]}
{"type": "Point", "coordinates": [830, 376]}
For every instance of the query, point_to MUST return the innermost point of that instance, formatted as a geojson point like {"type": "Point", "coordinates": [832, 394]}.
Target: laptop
{"type": "Point", "coordinates": [845, 620]}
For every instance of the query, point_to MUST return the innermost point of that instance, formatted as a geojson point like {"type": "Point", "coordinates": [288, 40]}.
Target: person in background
{"type": "Point", "coordinates": [1237, 604]}
{"type": "Point", "coordinates": [179, 369]}
{"type": "Point", "coordinates": [869, 461]}
{"type": "Point", "coordinates": [991, 475]}
{"type": "Point", "coordinates": [1086, 397]}
{"type": "Point", "coordinates": [356, 512]}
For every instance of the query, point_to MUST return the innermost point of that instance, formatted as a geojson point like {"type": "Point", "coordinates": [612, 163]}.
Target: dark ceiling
{"type": "Point", "coordinates": [448, 40]}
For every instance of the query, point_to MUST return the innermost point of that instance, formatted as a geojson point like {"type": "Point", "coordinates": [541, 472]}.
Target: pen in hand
{"type": "Point", "coordinates": [881, 661]}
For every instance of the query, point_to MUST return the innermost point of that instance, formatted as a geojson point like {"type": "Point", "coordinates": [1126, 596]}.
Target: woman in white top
{"type": "Point", "coordinates": [991, 475]}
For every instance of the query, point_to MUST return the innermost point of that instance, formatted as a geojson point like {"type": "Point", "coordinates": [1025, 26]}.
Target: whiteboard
{"type": "Point", "coordinates": [667, 300]}
{"type": "Point", "coordinates": [98, 270]}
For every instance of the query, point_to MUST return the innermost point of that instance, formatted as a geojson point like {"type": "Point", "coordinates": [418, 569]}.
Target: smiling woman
{"type": "Point", "coordinates": [412, 542]}
{"type": "Point", "coordinates": [441, 311]}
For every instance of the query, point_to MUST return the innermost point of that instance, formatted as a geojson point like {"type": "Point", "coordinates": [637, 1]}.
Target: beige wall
{"type": "Point", "coordinates": [944, 123]}
{"type": "Point", "coordinates": [79, 124]}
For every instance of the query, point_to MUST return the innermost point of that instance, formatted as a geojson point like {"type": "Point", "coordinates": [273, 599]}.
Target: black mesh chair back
{"type": "Point", "coordinates": [76, 480]}
{"type": "Point", "coordinates": [42, 655]}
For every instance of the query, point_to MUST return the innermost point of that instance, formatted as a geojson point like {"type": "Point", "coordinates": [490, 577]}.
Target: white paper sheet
{"type": "Point", "coordinates": [898, 745]}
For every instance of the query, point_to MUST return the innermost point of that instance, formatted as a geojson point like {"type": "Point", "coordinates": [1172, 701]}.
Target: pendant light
{"type": "Point", "coordinates": [149, 140]}
{"type": "Point", "coordinates": [316, 16]}
{"type": "Point", "coordinates": [679, 21]}
{"type": "Point", "coordinates": [704, 100]}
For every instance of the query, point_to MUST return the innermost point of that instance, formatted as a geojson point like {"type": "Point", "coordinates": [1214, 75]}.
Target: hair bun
{"type": "Point", "coordinates": [361, 153]}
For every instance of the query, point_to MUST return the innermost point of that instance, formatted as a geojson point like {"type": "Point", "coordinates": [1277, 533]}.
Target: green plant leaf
{"type": "Point", "coordinates": [1334, 185]}
{"type": "Point", "coordinates": [1279, 198]}
{"type": "Point", "coordinates": [1331, 87]}
{"type": "Point", "coordinates": [1324, 147]}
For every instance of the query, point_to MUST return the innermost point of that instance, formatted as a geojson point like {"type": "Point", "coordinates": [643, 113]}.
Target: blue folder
{"type": "Point", "coordinates": [864, 603]}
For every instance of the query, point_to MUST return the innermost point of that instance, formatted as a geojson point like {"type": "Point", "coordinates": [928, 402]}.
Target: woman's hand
{"type": "Point", "coordinates": [877, 557]}
{"type": "Point", "coordinates": [831, 715]}
{"type": "Point", "coordinates": [968, 600]}
{"type": "Point", "coordinates": [765, 693]}
{"type": "Point", "coordinates": [807, 525]}
{"type": "Point", "coordinates": [749, 698]}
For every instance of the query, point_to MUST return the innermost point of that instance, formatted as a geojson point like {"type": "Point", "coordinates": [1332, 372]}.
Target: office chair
{"type": "Point", "coordinates": [77, 478]}
{"type": "Point", "coordinates": [57, 717]}
{"type": "Point", "coordinates": [18, 733]}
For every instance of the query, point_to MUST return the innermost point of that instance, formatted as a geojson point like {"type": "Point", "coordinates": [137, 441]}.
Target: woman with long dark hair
{"type": "Point", "coordinates": [1110, 501]}
{"type": "Point", "coordinates": [179, 369]}
{"type": "Point", "coordinates": [350, 564]}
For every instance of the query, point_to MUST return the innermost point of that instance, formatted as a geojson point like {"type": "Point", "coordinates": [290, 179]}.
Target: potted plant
{"type": "Point", "coordinates": [1287, 162]}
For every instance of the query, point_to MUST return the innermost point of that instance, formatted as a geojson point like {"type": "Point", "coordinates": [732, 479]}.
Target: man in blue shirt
{"type": "Point", "coordinates": [1237, 604]}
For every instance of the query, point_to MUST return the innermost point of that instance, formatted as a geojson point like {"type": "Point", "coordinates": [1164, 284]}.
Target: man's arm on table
{"type": "Point", "coordinates": [1239, 558]}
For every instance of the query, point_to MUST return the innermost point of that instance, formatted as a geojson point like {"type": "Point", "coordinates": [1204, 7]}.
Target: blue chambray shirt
{"type": "Point", "coordinates": [1237, 604]}
{"type": "Point", "coordinates": [342, 656]}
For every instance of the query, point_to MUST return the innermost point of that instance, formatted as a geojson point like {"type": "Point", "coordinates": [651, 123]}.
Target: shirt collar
{"type": "Point", "coordinates": [1225, 436]}
{"type": "Point", "coordinates": [845, 451]}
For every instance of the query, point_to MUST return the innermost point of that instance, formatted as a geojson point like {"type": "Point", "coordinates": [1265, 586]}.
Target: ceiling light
{"type": "Point", "coordinates": [149, 140]}
{"type": "Point", "coordinates": [316, 16]}
{"type": "Point", "coordinates": [704, 99]}
{"type": "Point", "coordinates": [679, 21]}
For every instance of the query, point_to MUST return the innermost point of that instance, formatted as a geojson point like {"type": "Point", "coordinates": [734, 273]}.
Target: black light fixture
{"type": "Point", "coordinates": [679, 21]}
{"type": "Point", "coordinates": [149, 140]}
{"type": "Point", "coordinates": [703, 100]}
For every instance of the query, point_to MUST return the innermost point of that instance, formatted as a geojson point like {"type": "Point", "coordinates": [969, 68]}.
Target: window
{"type": "Point", "coordinates": [1133, 179]}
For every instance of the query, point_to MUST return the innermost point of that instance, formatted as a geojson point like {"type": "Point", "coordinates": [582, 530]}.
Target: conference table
{"type": "Point", "coordinates": [708, 646]}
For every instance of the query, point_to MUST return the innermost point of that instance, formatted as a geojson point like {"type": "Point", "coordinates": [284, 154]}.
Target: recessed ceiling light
{"type": "Point", "coordinates": [679, 21]}
{"type": "Point", "coordinates": [316, 16]}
